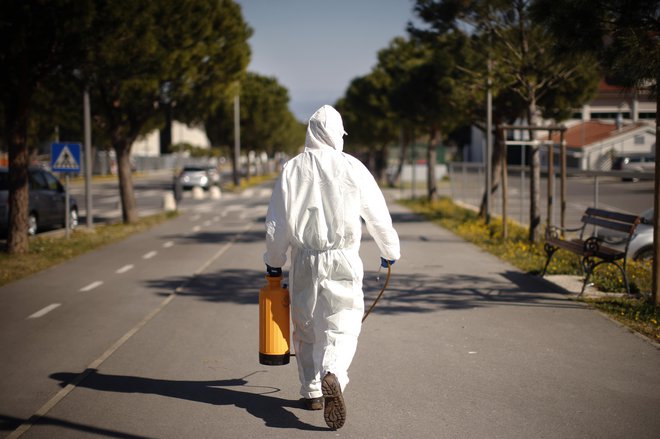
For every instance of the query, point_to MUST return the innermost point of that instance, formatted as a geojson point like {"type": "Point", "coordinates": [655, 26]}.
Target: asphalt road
{"type": "Point", "coordinates": [156, 336]}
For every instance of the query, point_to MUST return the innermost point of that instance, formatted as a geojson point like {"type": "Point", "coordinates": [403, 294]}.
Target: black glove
{"type": "Point", "coordinates": [385, 263]}
{"type": "Point", "coordinates": [273, 271]}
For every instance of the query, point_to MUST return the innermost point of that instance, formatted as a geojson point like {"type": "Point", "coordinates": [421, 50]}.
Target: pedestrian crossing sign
{"type": "Point", "coordinates": [65, 157]}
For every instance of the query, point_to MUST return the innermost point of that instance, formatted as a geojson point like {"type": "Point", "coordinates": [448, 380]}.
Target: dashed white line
{"type": "Point", "coordinates": [124, 269]}
{"type": "Point", "coordinates": [44, 311]}
{"type": "Point", "coordinates": [91, 286]}
{"type": "Point", "coordinates": [149, 255]}
{"type": "Point", "coordinates": [168, 244]}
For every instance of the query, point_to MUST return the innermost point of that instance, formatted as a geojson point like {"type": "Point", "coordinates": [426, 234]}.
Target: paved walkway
{"type": "Point", "coordinates": [462, 345]}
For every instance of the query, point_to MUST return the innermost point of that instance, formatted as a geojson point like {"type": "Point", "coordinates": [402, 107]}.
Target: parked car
{"type": "Point", "coordinates": [634, 163]}
{"type": "Point", "coordinates": [47, 204]}
{"type": "Point", "coordinates": [641, 243]}
{"type": "Point", "coordinates": [199, 176]}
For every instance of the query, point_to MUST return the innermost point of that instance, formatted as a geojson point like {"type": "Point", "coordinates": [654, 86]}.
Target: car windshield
{"type": "Point", "coordinates": [193, 169]}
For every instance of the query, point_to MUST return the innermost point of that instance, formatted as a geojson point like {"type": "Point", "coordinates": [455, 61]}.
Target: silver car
{"type": "Point", "coordinates": [199, 176]}
{"type": "Point", "coordinates": [641, 243]}
{"type": "Point", "coordinates": [46, 202]}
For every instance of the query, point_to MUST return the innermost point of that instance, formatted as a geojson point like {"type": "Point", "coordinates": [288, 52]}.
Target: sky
{"type": "Point", "coordinates": [314, 48]}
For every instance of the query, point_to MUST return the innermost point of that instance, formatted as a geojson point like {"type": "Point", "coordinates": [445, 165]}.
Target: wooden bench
{"type": "Point", "coordinates": [589, 247]}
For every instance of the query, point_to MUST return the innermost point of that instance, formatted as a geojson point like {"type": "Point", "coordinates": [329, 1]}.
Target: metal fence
{"type": "Point", "coordinates": [467, 183]}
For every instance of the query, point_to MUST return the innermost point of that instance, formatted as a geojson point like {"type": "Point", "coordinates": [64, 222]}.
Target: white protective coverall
{"type": "Point", "coordinates": [315, 209]}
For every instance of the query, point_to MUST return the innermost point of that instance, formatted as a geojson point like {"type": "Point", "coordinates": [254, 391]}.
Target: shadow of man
{"type": "Point", "coordinates": [261, 405]}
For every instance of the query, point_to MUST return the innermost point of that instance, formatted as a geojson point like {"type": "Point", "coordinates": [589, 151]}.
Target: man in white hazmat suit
{"type": "Point", "coordinates": [315, 209]}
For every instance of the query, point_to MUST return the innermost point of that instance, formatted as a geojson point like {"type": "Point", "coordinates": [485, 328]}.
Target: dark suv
{"type": "Point", "coordinates": [634, 163]}
{"type": "Point", "coordinates": [46, 205]}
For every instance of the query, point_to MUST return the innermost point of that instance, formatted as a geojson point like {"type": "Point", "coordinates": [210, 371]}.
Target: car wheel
{"type": "Point", "coordinates": [32, 224]}
{"type": "Point", "coordinates": [644, 254]}
{"type": "Point", "coordinates": [73, 219]}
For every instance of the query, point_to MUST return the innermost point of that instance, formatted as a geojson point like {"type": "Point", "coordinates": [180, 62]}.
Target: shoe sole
{"type": "Point", "coordinates": [334, 411]}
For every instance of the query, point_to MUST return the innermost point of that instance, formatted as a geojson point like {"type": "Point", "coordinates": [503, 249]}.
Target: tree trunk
{"type": "Point", "coordinates": [535, 179]}
{"type": "Point", "coordinates": [431, 184]}
{"type": "Point", "coordinates": [16, 117]}
{"type": "Point", "coordinates": [393, 179]}
{"type": "Point", "coordinates": [381, 162]}
{"type": "Point", "coordinates": [128, 206]}
{"type": "Point", "coordinates": [655, 273]}
{"type": "Point", "coordinates": [499, 151]}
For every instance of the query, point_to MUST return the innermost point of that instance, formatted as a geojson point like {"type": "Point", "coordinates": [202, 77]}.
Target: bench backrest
{"type": "Point", "coordinates": [621, 222]}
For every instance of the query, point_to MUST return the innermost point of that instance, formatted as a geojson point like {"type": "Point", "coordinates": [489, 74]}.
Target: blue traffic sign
{"type": "Point", "coordinates": [65, 157]}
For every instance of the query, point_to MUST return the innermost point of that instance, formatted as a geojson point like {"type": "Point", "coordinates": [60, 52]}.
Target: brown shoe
{"type": "Point", "coordinates": [313, 403]}
{"type": "Point", "coordinates": [335, 409]}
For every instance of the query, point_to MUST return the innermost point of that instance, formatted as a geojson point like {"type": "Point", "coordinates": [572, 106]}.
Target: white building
{"type": "Point", "coordinates": [614, 122]}
{"type": "Point", "coordinates": [149, 145]}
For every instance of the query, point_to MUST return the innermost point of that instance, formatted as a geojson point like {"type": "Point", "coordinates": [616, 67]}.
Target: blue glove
{"type": "Point", "coordinates": [273, 271]}
{"type": "Point", "coordinates": [384, 262]}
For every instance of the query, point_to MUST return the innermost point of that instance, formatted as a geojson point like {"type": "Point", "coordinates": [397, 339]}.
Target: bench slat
{"type": "Point", "coordinates": [617, 216]}
{"type": "Point", "coordinates": [622, 227]}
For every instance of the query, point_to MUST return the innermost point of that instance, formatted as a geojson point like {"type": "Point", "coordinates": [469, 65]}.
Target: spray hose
{"type": "Point", "coordinates": [387, 280]}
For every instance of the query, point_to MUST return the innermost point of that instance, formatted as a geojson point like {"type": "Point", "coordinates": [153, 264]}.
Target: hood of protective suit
{"type": "Point", "coordinates": [325, 130]}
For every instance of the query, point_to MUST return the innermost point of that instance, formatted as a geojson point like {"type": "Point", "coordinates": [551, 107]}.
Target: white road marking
{"type": "Point", "coordinates": [196, 229]}
{"type": "Point", "coordinates": [149, 255]}
{"type": "Point", "coordinates": [168, 244]}
{"type": "Point", "coordinates": [91, 286]}
{"type": "Point", "coordinates": [44, 311]}
{"type": "Point", "coordinates": [124, 269]}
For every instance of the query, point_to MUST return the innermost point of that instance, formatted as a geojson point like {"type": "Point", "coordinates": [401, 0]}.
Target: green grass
{"type": "Point", "coordinates": [48, 251]}
{"type": "Point", "coordinates": [636, 313]}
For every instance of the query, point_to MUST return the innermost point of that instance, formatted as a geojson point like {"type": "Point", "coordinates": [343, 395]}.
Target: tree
{"type": "Point", "coordinates": [39, 38]}
{"type": "Point", "coordinates": [523, 60]}
{"type": "Point", "coordinates": [368, 117]}
{"type": "Point", "coordinates": [426, 89]}
{"type": "Point", "coordinates": [623, 34]}
{"type": "Point", "coordinates": [266, 122]}
{"type": "Point", "coordinates": [183, 53]}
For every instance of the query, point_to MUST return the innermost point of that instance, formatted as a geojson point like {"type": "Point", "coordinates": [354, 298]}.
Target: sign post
{"type": "Point", "coordinates": [65, 157]}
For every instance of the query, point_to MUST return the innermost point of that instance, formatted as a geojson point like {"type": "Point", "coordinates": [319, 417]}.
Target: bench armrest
{"type": "Point", "coordinates": [592, 245]}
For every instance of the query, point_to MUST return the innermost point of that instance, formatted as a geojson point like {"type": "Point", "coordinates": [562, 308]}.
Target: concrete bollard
{"type": "Point", "coordinates": [169, 203]}
{"type": "Point", "coordinates": [197, 193]}
{"type": "Point", "coordinates": [215, 193]}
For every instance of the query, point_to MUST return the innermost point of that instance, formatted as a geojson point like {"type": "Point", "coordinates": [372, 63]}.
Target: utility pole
{"type": "Point", "coordinates": [89, 219]}
{"type": "Point", "coordinates": [489, 141]}
{"type": "Point", "coordinates": [237, 137]}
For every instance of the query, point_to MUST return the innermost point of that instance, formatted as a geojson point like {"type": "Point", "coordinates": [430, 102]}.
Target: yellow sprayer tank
{"type": "Point", "coordinates": [274, 323]}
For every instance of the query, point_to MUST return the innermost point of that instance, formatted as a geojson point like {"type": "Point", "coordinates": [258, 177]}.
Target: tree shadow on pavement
{"type": "Point", "coordinates": [260, 403]}
{"type": "Point", "coordinates": [421, 293]}
{"type": "Point", "coordinates": [406, 293]}
{"type": "Point", "coordinates": [215, 238]}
